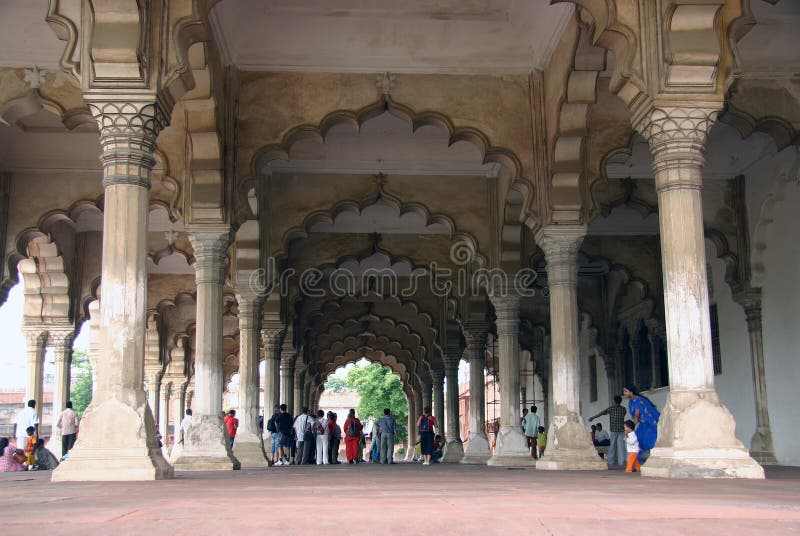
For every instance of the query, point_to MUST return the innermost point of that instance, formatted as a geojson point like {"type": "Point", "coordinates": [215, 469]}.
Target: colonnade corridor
{"type": "Point", "coordinates": [554, 239]}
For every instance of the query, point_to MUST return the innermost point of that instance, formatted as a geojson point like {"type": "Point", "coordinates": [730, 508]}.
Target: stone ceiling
{"type": "Point", "coordinates": [422, 36]}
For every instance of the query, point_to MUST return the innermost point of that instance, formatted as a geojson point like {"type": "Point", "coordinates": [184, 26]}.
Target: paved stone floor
{"type": "Point", "coordinates": [402, 499]}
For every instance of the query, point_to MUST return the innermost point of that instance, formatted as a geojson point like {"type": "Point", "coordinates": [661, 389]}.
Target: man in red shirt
{"type": "Point", "coordinates": [231, 424]}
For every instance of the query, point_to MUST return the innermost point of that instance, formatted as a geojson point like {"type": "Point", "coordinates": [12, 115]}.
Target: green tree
{"type": "Point", "coordinates": [81, 389]}
{"type": "Point", "coordinates": [379, 388]}
{"type": "Point", "coordinates": [335, 384]}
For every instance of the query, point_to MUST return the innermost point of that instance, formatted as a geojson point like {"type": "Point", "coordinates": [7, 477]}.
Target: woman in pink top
{"type": "Point", "coordinates": [7, 462]}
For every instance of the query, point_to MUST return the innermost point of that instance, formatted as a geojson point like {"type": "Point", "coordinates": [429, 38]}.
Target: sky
{"type": "Point", "coordinates": [13, 360]}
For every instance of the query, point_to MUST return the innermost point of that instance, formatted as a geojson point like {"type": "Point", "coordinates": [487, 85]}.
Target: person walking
{"type": "Point", "coordinates": [28, 416]}
{"type": "Point", "coordinates": [352, 430]}
{"type": "Point", "coordinates": [645, 417]}
{"type": "Point", "coordinates": [323, 437]}
{"type": "Point", "coordinates": [283, 431]}
{"type": "Point", "coordinates": [186, 422]}
{"type": "Point", "coordinates": [68, 424]}
{"type": "Point", "coordinates": [616, 431]}
{"type": "Point", "coordinates": [426, 423]}
{"type": "Point", "coordinates": [531, 428]}
{"type": "Point", "coordinates": [305, 436]}
{"type": "Point", "coordinates": [632, 446]}
{"type": "Point", "coordinates": [388, 429]}
{"type": "Point", "coordinates": [231, 425]}
{"type": "Point", "coordinates": [336, 438]}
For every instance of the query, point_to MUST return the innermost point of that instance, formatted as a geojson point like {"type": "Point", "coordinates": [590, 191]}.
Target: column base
{"type": "Point", "coordinates": [570, 447]}
{"type": "Point", "coordinates": [135, 454]}
{"type": "Point", "coordinates": [511, 450]}
{"type": "Point", "coordinates": [453, 451]}
{"type": "Point", "coordinates": [761, 447]}
{"type": "Point", "coordinates": [249, 450]}
{"type": "Point", "coordinates": [205, 447]}
{"type": "Point", "coordinates": [54, 443]}
{"type": "Point", "coordinates": [697, 439]}
{"type": "Point", "coordinates": [477, 451]}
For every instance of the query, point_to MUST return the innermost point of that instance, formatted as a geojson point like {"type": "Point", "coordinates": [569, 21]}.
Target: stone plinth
{"type": "Point", "coordinates": [477, 451]}
{"type": "Point", "coordinates": [570, 448]}
{"type": "Point", "coordinates": [453, 451]}
{"type": "Point", "coordinates": [134, 454]}
{"type": "Point", "coordinates": [511, 449]}
{"type": "Point", "coordinates": [249, 450]}
{"type": "Point", "coordinates": [205, 447]}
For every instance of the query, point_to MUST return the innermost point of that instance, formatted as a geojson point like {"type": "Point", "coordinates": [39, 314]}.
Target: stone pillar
{"type": "Point", "coordinates": [427, 393]}
{"type": "Point", "coordinates": [299, 382]}
{"type": "Point", "coordinates": [273, 342]}
{"type": "Point", "coordinates": [655, 361]}
{"type": "Point", "coordinates": [94, 343]}
{"type": "Point", "coordinates": [287, 381]}
{"type": "Point", "coordinates": [438, 399]}
{"type": "Point", "coordinates": [249, 447]}
{"type": "Point", "coordinates": [761, 445]}
{"type": "Point", "coordinates": [411, 440]}
{"type": "Point", "coordinates": [163, 412]}
{"type": "Point", "coordinates": [696, 433]}
{"type": "Point", "coordinates": [205, 446]}
{"type": "Point", "coordinates": [477, 451]}
{"type": "Point", "coordinates": [153, 377]}
{"type": "Point", "coordinates": [35, 340]}
{"type": "Point", "coordinates": [569, 443]}
{"type": "Point", "coordinates": [62, 346]}
{"type": "Point", "coordinates": [128, 131]}
{"type": "Point", "coordinates": [454, 448]}
{"type": "Point", "coordinates": [511, 448]}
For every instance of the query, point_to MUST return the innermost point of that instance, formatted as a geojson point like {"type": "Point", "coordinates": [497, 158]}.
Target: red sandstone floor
{"type": "Point", "coordinates": [402, 499]}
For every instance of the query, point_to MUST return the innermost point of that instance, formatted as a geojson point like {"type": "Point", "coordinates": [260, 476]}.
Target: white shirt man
{"type": "Point", "coordinates": [186, 423]}
{"type": "Point", "coordinates": [601, 435]}
{"type": "Point", "coordinates": [28, 416]}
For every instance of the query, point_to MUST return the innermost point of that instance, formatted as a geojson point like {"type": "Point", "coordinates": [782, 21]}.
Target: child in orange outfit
{"type": "Point", "coordinates": [30, 446]}
{"type": "Point", "coordinates": [632, 444]}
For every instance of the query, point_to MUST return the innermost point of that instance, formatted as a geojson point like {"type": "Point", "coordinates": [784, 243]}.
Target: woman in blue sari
{"type": "Point", "coordinates": [645, 415]}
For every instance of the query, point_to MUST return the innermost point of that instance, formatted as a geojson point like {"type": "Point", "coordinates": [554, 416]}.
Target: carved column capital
{"type": "Point", "coordinates": [750, 300]}
{"type": "Point", "coordinates": [561, 244]}
{"type": "Point", "coordinates": [35, 337]}
{"type": "Point", "coordinates": [61, 341]}
{"type": "Point", "coordinates": [249, 310]}
{"type": "Point", "coordinates": [437, 377]}
{"type": "Point", "coordinates": [210, 249]}
{"type": "Point", "coordinates": [128, 132]}
{"type": "Point", "coordinates": [506, 309]}
{"type": "Point", "coordinates": [677, 137]}
{"type": "Point", "coordinates": [272, 336]}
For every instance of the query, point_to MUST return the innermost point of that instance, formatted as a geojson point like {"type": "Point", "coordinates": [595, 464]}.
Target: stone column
{"type": "Point", "coordinates": [511, 448]}
{"type": "Point", "coordinates": [569, 443]}
{"type": "Point", "coordinates": [94, 343]}
{"type": "Point", "coordinates": [438, 399]}
{"type": "Point", "coordinates": [128, 131]}
{"type": "Point", "coordinates": [696, 433]}
{"type": "Point", "coordinates": [249, 447]}
{"type": "Point", "coordinates": [273, 343]}
{"type": "Point", "coordinates": [35, 340]}
{"type": "Point", "coordinates": [413, 413]}
{"type": "Point", "coordinates": [287, 381]}
{"type": "Point", "coordinates": [761, 445]}
{"type": "Point", "coordinates": [453, 448]}
{"type": "Point", "coordinates": [178, 411]}
{"type": "Point", "coordinates": [62, 346]}
{"type": "Point", "coordinates": [427, 393]}
{"type": "Point", "coordinates": [163, 412]}
{"type": "Point", "coordinates": [655, 359]}
{"type": "Point", "coordinates": [205, 446]}
{"type": "Point", "coordinates": [153, 376]}
{"type": "Point", "coordinates": [299, 382]}
{"type": "Point", "coordinates": [477, 451]}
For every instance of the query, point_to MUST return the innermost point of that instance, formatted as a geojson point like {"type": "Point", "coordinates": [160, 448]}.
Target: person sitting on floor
{"type": "Point", "coordinates": [45, 459]}
{"type": "Point", "coordinates": [10, 457]}
{"type": "Point", "coordinates": [438, 449]}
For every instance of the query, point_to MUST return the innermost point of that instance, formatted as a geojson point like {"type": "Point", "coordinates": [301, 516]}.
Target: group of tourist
{"type": "Point", "coordinates": [29, 452]}
{"type": "Point", "coordinates": [629, 441]}
{"type": "Point", "coordinates": [315, 437]}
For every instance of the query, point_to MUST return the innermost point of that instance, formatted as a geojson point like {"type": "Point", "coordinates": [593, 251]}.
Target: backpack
{"type": "Point", "coordinates": [271, 425]}
{"type": "Point", "coordinates": [425, 424]}
{"type": "Point", "coordinates": [352, 429]}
